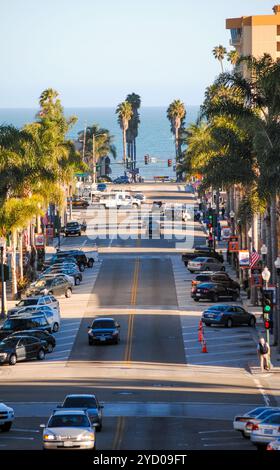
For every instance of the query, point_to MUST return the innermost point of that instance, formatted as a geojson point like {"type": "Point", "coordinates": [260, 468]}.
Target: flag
{"type": "Point", "coordinates": [254, 258]}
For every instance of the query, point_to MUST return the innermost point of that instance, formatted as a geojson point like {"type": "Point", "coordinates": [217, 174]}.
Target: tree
{"type": "Point", "coordinates": [125, 113]}
{"type": "Point", "coordinates": [103, 143]}
{"type": "Point", "coordinates": [219, 53]}
{"type": "Point", "coordinates": [233, 57]}
{"type": "Point", "coordinates": [176, 113]}
{"type": "Point", "coordinates": [132, 131]}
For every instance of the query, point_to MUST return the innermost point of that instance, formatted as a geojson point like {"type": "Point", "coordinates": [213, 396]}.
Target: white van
{"type": "Point", "coordinates": [116, 200]}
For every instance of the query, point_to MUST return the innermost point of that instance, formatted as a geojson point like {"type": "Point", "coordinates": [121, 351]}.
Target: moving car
{"type": "Point", "coordinates": [269, 410]}
{"type": "Point", "coordinates": [52, 315]}
{"type": "Point", "coordinates": [228, 315]}
{"type": "Point", "coordinates": [21, 348]}
{"type": "Point", "coordinates": [24, 321]}
{"type": "Point", "coordinates": [51, 285]}
{"type": "Point", "coordinates": [79, 202]}
{"type": "Point", "coordinates": [40, 334]}
{"type": "Point", "coordinates": [38, 300]}
{"type": "Point", "coordinates": [202, 251]}
{"type": "Point", "coordinates": [103, 330]}
{"type": "Point", "coordinates": [73, 228]}
{"type": "Point", "coordinates": [240, 421]}
{"type": "Point", "coordinates": [268, 429]}
{"type": "Point", "coordinates": [214, 292]}
{"type": "Point", "coordinates": [7, 417]}
{"type": "Point", "coordinates": [217, 277]}
{"type": "Point", "coordinates": [69, 429]}
{"type": "Point", "coordinates": [87, 402]}
{"type": "Point", "coordinates": [205, 264]}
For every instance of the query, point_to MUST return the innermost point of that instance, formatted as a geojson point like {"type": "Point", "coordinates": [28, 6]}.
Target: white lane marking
{"type": "Point", "coordinates": [262, 391]}
{"type": "Point", "coordinates": [226, 444]}
{"type": "Point", "coordinates": [218, 430]}
{"type": "Point", "coordinates": [85, 242]}
{"type": "Point", "coordinates": [25, 430]}
{"type": "Point", "coordinates": [20, 438]}
{"type": "Point", "coordinates": [238, 438]}
{"type": "Point", "coordinates": [111, 241]}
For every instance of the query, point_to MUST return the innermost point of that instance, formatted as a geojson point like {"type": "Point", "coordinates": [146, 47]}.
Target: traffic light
{"type": "Point", "coordinates": [146, 159]}
{"type": "Point", "coordinates": [267, 324]}
{"type": "Point", "coordinates": [169, 162]}
{"type": "Point", "coordinates": [267, 302]}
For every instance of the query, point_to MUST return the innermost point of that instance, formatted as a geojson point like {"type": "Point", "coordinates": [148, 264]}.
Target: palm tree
{"type": "Point", "coordinates": [132, 131]}
{"type": "Point", "coordinates": [176, 112]}
{"type": "Point", "coordinates": [219, 53]}
{"type": "Point", "coordinates": [125, 113]}
{"type": "Point", "coordinates": [233, 57]}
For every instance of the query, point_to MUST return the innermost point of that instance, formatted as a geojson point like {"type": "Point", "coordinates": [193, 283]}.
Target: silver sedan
{"type": "Point", "coordinates": [205, 264]}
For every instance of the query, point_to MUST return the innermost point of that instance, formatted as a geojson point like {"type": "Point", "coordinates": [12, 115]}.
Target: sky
{"type": "Point", "coordinates": [96, 52]}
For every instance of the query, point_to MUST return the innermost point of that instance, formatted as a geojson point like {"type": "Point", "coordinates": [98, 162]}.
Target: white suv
{"type": "Point", "coordinates": [7, 416]}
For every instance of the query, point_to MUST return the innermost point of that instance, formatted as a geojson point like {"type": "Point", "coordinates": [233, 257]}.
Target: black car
{"type": "Point", "coordinates": [44, 336]}
{"type": "Point", "coordinates": [202, 251]}
{"type": "Point", "coordinates": [72, 228]}
{"type": "Point", "coordinates": [218, 278]}
{"type": "Point", "coordinates": [104, 330]}
{"type": "Point", "coordinates": [88, 402]}
{"type": "Point", "coordinates": [75, 273]}
{"type": "Point", "coordinates": [21, 348]}
{"type": "Point", "coordinates": [24, 322]}
{"type": "Point", "coordinates": [60, 260]}
{"type": "Point", "coordinates": [214, 292]}
{"type": "Point", "coordinates": [78, 255]}
{"type": "Point", "coordinates": [57, 285]}
{"type": "Point", "coordinates": [228, 315]}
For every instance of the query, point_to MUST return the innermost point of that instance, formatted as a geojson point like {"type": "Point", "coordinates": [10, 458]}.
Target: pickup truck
{"type": "Point", "coordinates": [202, 251]}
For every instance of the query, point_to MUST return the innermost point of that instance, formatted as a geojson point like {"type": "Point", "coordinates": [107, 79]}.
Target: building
{"type": "Point", "coordinates": [256, 35]}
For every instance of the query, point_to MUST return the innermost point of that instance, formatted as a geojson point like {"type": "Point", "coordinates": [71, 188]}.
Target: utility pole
{"type": "Point", "coordinates": [93, 159]}
{"type": "Point", "coordinates": [84, 141]}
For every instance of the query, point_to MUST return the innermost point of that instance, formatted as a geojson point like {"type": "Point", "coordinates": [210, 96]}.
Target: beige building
{"type": "Point", "coordinates": [256, 35]}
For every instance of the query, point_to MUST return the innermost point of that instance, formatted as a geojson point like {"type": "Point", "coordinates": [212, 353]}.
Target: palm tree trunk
{"type": "Point", "coordinates": [274, 244]}
{"type": "Point", "coordinates": [14, 264]}
{"type": "Point", "coordinates": [176, 142]}
{"type": "Point", "coordinates": [20, 256]}
{"type": "Point", "coordinates": [268, 240]}
{"type": "Point", "coordinates": [222, 65]}
{"type": "Point", "coordinates": [70, 201]}
{"type": "Point", "coordinates": [124, 148]}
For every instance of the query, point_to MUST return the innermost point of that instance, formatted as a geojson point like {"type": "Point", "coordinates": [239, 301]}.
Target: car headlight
{"type": "Point", "coordinates": [3, 355]}
{"type": "Point", "coordinates": [90, 332]}
{"type": "Point", "coordinates": [90, 436]}
{"type": "Point", "coordinates": [115, 333]}
{"type": "Point", "coordinates": [48, 437]}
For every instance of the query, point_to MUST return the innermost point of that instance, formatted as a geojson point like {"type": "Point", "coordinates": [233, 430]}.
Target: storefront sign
{"type": "Point", "coordinates": [244, 258]}
{"type": "Point", "coordinates": [233, 245]}
{"type": "Point", "coordinates": [39, 240]}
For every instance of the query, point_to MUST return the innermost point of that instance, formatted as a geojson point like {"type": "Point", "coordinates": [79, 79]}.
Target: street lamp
{"type": "Point", "coordinates": [266, 276]}
{"type": "Point", "coordinates": [277, 316]}
{"type": "Point", "coordinates": [264, 253]}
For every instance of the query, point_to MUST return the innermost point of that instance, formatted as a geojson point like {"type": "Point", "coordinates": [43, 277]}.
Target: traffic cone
{"type": "Point", "coordinates": [200, 336]}
{"type": "Point", "coordinates": [200, 325]}
{"type": "Point", "coordinates": [204, 347]}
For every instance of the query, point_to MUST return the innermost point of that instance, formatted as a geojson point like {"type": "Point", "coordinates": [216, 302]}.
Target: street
{"type": "Point", "coordinates": [159, 390]}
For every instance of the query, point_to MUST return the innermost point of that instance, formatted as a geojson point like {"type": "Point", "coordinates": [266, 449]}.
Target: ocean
{"type": "Point", "coordinates": [154, 137]}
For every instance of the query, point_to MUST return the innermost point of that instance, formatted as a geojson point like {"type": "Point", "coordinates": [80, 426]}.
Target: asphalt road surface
{"type": "Point", "coordinates": [159, 390]}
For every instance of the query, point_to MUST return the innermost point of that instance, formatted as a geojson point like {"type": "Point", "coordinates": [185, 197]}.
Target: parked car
{"type": "Point", "coordinates": [228, 315]}
{"type": "Point", "coordinates": [24, 321]}
{"type": "Point", "coordinates": [51, 285]}
{"type": "Point", "coordinates": [73, 228]}
{"type": "Point", "coordinates": [88, 402]}
{"type": "Point", "coordinates": [258, 419]}
{"type": "Point", "coordinates": [69, 270]}
{"type": "Point", "coordinates": [202, 251]}
{"type": "Point", "coordinates": [214, 292]}
{"type": "Point", "coordinates": [38, 300]}
{"type": "Point", "coordinates": [205, 264]}
{"type": "Point", "coordinates": [219, 277]}
{"type": "Point", "coordinates": [240, 421]}
{"type": "Point", "coordinates": [21, 348]}
{"type": "Point", "coordinates": [48, 338]}
{"type": "Point", "coordinates": [274, 445]}
{"type": "Point", "coordinates": [53, 274]}
{"type": "Point", "coordinates": [268, 429]}
{"type": "Point", "coordinates": [7, 417]}
{"type": "Point", "coordinates": [69, 429]}
{"type": "Point", "coordinates": [51, 314]}
{"type": "Point", "coordinates": [104, 330]}
{"type": "Point", "coordinates": [79, 257]}
{"type": "Point", "coordinates": [140, 196]}
{"type": "Point", "coordinates": [101, 187]}
{"type": "Point", "coordinates": [57, 261]}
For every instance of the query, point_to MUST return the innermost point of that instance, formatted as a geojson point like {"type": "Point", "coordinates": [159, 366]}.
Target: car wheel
{"type": "Point", "coordinates": [12, 360]}
{"type": "Point", "coordinates": [191, 271]}
{"type": "Point", "coordinates": [99, 428]}
{"type": "Point", "coordinates": [49, 348]}
{"type": "Point", "coordinates": [77, 281]}
{"type": "Point", "coordinates": [6, 426]}
{"type": "Point", "coordinates": [82, 267]}
{"type": "Point", "coordinates": [90, 342]}
{"type": "Point", "coordinates": [245, 435]}
{"type": "Point", "coordinates": [55, 327]}
{"type": "Point", "coordinates": [41, 355]}
{"type": "Point", "coordinates": [90, 263]}
{"type": "Point", "coordinates": [234, 297]}
{"type": "Point", "coordinates": [252, 322]}
{"type": "Point", "coordinates": [79, 234]}
{"type": "Point", "coordinates": [229, 323]}
{"type": "Point", "coordinates": [215, 298]}
{"type": "Point", "coordinates": [66, 234]}
{"type": "Point", "coordinates": [223, 268]}
{"type": "Point", "coordinates": [196, 300]}
{"type": "Point", "coordinates": [68, 293]}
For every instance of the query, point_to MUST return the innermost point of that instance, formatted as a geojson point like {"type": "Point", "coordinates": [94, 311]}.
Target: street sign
{"type": "Point", "coordinates": [256, 278]}
{"type": "Point", "coordinates": [39, 240]}
{"type": "Point", "coordinates": [226, 233]}
{"type": "Point", "coordinates": [244, 258]}
{"type": "Point", "coordinates": [264, 250]}
{"type": "Point", "coordinates": [233, 245]}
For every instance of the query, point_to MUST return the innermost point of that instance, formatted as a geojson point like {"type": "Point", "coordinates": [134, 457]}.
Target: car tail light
{"type": "Point", "coordinates": [241, 419]}
{"type": "Point", "coordinates": [249, 425]}
{"type": "Point", "coordinates": [269, 447]}
{"type": "Point", "coordinates": [255, 427]}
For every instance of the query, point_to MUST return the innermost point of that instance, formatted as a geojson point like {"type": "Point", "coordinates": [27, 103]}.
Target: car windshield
{"type": "Point", "coordinates": [103, 324]}
{"type": "Point", "coordinates": [256, 411]}
{"type": "Point", "coordinates": [203, 278]}
{"type": "Point", "coordinates": [25, 302]}
{"type": "Point", "coordinates": [8, 342]}
{"type": "Point", "coordinates": [80, 402]}
{"type": "Point", "coordinates": [199, 259]}
{"type": "Point", "coordinates": [72, 224]}
{"type": "Point", "coordinates": [69, 421]}
{"type": "Point", "coordinates": [43, 282]}
{"type": "Point", "coordinates": [13, 324]}
{"type": "Point", "coordinates": [267, 413]}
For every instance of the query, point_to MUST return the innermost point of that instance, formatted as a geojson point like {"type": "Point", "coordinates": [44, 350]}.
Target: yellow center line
{"type": "Point", "coordinates": [128, 349]}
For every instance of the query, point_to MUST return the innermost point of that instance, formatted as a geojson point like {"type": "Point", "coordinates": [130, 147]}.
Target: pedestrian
{"type": "Point", "coordinates": [223, 212]}
{"type": "Point", "coordinates": [264, 354]}
{"type": "Point", "coordinates": [210, 240]}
